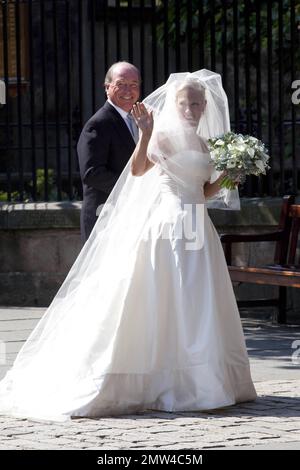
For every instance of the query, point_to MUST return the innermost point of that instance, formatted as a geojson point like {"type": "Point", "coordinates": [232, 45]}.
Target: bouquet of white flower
{"type": "Point", "coordinates": [238, 155]}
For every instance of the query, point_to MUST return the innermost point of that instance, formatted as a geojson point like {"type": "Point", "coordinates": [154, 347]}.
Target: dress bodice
{"type": "Point", "coordinates": [184, 175]}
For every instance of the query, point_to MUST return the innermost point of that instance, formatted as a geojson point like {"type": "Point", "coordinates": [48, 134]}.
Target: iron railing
{"type": "Point", "coordinates": [53, 58]}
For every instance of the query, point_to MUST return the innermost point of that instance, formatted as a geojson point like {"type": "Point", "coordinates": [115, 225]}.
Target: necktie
{"type": "Point", "coordinates": [132, 127]}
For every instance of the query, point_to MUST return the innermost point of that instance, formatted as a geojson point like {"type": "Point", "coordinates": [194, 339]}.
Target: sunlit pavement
{"type": "Point", "coordinates": [271, 422]}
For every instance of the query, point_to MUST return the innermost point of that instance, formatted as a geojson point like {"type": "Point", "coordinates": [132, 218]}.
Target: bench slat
{"type": "Point", "coordinates": [267, 276]}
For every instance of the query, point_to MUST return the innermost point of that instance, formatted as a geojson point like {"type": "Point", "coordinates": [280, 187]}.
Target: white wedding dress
{"type": "Point", "coordinates": [164, 335]}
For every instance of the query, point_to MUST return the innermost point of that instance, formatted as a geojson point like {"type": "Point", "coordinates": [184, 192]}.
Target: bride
{"type": "Point", "coordinates": [146, 318]}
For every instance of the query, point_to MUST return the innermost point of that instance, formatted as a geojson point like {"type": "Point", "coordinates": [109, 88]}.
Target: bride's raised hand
{"type": "Point", "coordinates": [143, 118]}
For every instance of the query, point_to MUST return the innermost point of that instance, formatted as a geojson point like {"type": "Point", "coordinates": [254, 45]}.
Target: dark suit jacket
{"type": "Point", "coordinates": [104, 147]}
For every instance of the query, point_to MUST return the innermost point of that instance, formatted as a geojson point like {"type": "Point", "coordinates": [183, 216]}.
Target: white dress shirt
{"type": "Point", "coordinates": [124, 114]}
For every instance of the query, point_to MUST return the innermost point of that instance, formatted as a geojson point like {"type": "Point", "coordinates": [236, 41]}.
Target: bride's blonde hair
{"type": "Point", "coordinates": [191, 83]}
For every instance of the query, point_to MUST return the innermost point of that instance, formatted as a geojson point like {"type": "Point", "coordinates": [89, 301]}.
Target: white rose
{"type": "Point", "coordinates": [241, 147]}
{"type": "Point", "coordinates": [260, 165]}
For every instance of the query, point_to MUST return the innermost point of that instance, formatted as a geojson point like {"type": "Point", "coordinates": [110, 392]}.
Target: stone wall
{"type": "Point", "coordinates": [40, 241]}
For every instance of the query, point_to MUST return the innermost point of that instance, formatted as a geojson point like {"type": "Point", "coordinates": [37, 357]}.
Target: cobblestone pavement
{"type": "Point", "coordinates": [272, 421]}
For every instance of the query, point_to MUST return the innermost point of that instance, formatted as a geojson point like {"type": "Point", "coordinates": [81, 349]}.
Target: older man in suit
{"type": "Point", "coordinates": [107, 141]}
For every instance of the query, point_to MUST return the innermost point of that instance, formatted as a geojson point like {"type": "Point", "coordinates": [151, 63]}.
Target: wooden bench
{"type": "Point", "coordinates": [283, 272]}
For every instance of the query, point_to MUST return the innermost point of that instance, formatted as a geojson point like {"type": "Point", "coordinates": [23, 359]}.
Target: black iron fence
{"type": "Point", "coordinates": [53, 58]}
